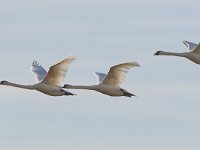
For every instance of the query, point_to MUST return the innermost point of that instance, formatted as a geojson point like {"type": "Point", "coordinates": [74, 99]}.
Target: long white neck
{"type": "Point", "coordinates": [30, 87]}
{"type": "Point", "coordinates": [89, 87]}
{"type": "Point", "coordinates": [172, 54]}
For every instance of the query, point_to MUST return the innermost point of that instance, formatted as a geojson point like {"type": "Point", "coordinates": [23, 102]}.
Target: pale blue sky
{"type": "Point", "coordinates": [100, 33]}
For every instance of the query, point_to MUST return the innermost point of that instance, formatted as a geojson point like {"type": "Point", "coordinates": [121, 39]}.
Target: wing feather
{"type": "Point", "coordinates": [117, 74]}
{"type": "Point", "coordinates": [38, 71]}
{"type": "Point", "coordinates": [197, 49]}
{"type": "Point", "coordinates": [190, 45]}
{"type": "Point", "coordinates": [57, 72]}
{"type": "Point", "coordinates": [100, 76]}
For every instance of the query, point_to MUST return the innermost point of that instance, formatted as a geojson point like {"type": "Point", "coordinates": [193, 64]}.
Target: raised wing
{"type": "Point", "coordinates": [100, 76]}
{"type": "Point", "coordinates": [57, 72]}
{"type": "Point", "coordinates": [197, 49]}
{"type": "Point", "coordinates": [190, 45]}
{"type": "Point", "coordinates": [117, 74]}
{"type": "Point", "coordinates": [38, 71]}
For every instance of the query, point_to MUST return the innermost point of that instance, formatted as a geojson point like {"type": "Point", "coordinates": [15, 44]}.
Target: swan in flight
{"type": "Point", "coordinates": [193, 54]}
{"type": "Point", "coordinates": [109, 84]}
{"type": "Point", "coordinates": [48, 82]}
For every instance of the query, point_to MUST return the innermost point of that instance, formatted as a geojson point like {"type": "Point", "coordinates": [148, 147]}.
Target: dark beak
{"type": "Point", "coordinates": [157, 53]}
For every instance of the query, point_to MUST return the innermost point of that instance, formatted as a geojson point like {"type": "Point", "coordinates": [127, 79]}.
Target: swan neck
{"type": "Point", "coordinates": [172, 54]}
{"type": "Point", "coordinates": [91, 87]}
{"type": "Point", "coordinates": [30, 87]}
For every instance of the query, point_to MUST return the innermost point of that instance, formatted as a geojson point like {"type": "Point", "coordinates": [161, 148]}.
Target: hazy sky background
{"type": "Point", "coordinates": [100, 33]}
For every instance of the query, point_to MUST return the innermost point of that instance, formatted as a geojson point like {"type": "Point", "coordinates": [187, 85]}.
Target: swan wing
{"type": "Point", "coordinates": [100, 76]}
{"type": "Point", "coordinates": [38, 71]}
{"type": "Point", "coordinates": [197, 49]}
{"type": "Point", "coordinates": [57, 72]}
{"type": "Point", "coordinates": [117, 74]}
{"type": "Point", "coordinates": [190, 45]}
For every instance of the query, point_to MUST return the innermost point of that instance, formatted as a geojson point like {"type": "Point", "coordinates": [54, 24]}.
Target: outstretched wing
{"type": "Point", "coordinates": [190, 45]}
{"type": "Point", "coordinates": [38, 71]}
{"type": "Point", "coordinates": [197, 49]}
{"type": "Point", "coordinates": [117, 74]}
{"type": "Point", "coordinates": [57, 72]}
{"type": "Point", "coordinates": [100, 76]}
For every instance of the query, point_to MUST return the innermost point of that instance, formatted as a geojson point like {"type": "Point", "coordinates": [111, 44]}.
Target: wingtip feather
{"type": "Point", "coordinates": [35, 63]}
{"type": "Point", "coordinates": [71, 56]}
{"type": "Point", "coordinates": [135, 64]}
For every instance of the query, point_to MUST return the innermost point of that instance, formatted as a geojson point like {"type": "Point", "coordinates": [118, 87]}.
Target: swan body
{"type": "Point", "coordinates": [109, 84]}
{"type": "Point", "coordinates": [48, 82]}
{"type": "Point", "coordinates": [104, 89]}
{"type": "Point", "coordinates": [193, 54]}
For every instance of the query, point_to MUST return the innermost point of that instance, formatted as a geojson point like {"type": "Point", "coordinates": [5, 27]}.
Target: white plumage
{"type": "Point", "coordinates": [110, 83]}
{"type": "Point", "coordinates": [193, 54]}
{"type": "Point", "coordinates": [38, 71]}
{"type": "Point", "coordinates": [117, 74]}
{"type": "Point", "coordinates": [100, 76]}
{"type": "Point", "coordinates": [48, 82]}
{"type": "Point", "coordinates": [190, 45]}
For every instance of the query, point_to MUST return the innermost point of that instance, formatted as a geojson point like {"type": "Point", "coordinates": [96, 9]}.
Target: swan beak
{"type": "Point", "coordinates": [3, 82]}
{"type": "Point", "coordinates": [157, 53]}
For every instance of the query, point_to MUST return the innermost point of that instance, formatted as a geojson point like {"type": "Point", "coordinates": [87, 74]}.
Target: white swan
{"type": "Point", "coordinates": [109, 84]}
{"type": "Point", "coordinates": [48, 82]}
{"type": "Point", "coordinates": [193, 54]}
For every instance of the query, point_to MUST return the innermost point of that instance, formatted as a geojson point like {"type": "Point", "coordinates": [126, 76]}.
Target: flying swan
{"type": "Point", "coordinates": [109, 84]}
{"type": "Point", "coordinates": [48, 82]}
{"type": "Point", "coordinates": [193, 54]}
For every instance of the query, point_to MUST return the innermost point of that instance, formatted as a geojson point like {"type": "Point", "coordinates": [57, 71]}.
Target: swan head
{"type": "Point", "coordinates": [158, 53]}
{"type": "Point", "coordinates": [4, 82]}
{"type": "Point", "coordinates": [67, 86]}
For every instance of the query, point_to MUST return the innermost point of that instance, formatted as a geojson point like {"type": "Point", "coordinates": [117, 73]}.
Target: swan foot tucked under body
{"type": "Point", "coordinates": [67, 92]}
{"type": "Point", "coordinates": [126, 93]}
{"type": "Point", "coordinates": [109, 84]}
{"type": "Point", "coordinates": [41, 87]}
{"type": "Point", "coordinates": [47, 82]}
{"type": "Point", "coordinates": [104, 89]}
